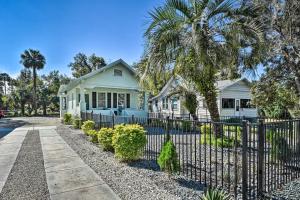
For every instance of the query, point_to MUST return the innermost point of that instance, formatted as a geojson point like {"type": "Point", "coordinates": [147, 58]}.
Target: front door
{"type": "Point", "coordinates": [237, 107]}
{"type": "Point", "coordinates": [87, 101]}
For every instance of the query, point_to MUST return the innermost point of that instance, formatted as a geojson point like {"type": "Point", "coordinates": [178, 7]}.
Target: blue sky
{"type": "Point", "coordinates": [112, 29]}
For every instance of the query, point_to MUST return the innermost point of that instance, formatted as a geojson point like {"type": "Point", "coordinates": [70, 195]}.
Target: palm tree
{"type": "Point", "coordinates": [198, 38]}
{"type": "Point", "coordinates": [35, 60]}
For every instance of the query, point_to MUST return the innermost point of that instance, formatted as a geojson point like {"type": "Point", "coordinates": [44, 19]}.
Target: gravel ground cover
{"type": "Point", "coordinates": [138, 180]}
{"type": "Point", "coordinates": [289, 192]}
{"type": "Point", "coordinates": [27, 179]}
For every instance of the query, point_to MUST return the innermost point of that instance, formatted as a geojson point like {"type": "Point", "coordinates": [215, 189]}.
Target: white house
{"type": "Point", "coordinates": [233, 99]}
{"type": "Point", "coordinates": [110, 90]}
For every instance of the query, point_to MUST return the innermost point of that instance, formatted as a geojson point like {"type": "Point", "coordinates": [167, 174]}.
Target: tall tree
{"type": "Point", "coordinates": [34, 60]}
{"type": "Point", "coordinates": [83, 64]}
{"type": "Point", "coordinates": [199, 38]}
{"type": "Point", "coordinates": [4, 79]}
{"type": "Point", "coordinates": [284, 39]}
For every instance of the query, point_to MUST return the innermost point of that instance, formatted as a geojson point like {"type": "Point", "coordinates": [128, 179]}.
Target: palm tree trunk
{"type": "Point", "coordinates": [23, 109]}
{"type": "Point", "coordinates": [34, 91]}
{"type": "Point", "coordinates": [44, 109]}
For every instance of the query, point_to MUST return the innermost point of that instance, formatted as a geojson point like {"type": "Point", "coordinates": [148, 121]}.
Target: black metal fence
{"type": "Point", "coordinates": [248, 159]}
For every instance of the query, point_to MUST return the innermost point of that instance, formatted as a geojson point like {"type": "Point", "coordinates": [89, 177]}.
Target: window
{"type": "Point", "coordinates": [78, 100]}
{"type": "Point", "coordinates": [108, 100]}
{"type": "Point", "coordinates": [165, 103]}
{"type": "Point", "coordinates": [204, 104]}
{"type": "Point", "coordinates": [175, 103]}
{"type": "Point", "coordinates": [94, 99]}
{"type": "Point", "coordinates": [72, 100]}
{"type": "Point", "coordinates": [127, 100]}
{"type": "Point", "coordinates": [227, 103]}
{"type": "Point", "coordinates": [117, 72]}
{"type": "Point", "coordinates": [64, 103]}
{"type": "Point", "coordinates": [246, 103]}
{"type": "Point", "coordinates": [115, 100]}
{"type": "Point", "coordinates": [101, 100]}
{"type": "Point", "coordinates": [121, 100]}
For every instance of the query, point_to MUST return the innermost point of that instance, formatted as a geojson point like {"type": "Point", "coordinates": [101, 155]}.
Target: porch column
{"type": "Point", "coordinates": [60, 106]}
{"type": "Point", "coordinates": [145, 101]}
{"type": "Point", "coordinates": [82, 102]}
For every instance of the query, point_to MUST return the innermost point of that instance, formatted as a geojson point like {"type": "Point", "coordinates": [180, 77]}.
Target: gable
{"type": "Point", "coordinates": [107, 78]}
{"type": "Point", "coordinates": [239, 86]}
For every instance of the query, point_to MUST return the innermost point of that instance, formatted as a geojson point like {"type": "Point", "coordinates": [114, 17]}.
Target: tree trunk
{"type": "Point", "coordinates": [34, 91]}
{"type": "Point", "coordinates": [23, 109]}
{"type": "Point", "coordinates": [44, 109]}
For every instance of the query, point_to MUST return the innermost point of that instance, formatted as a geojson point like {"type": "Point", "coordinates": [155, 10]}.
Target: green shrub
{"type": "Point", "coordinates": [168, 159]}
{"type": "Point", "coordinates": [206, 129]}
{"type": "Point", "coordinates": [214, 194]}
{"type": "Point", "coordinates": [129, 141]}
{"type": "Point", "coordinates": [67, 119]}
{"type": "Point", "coordinates": [211, 139]}
{"type": "Point", "coordinates": [77, 123]}
{"type": "Point", "coordinates": [280, 149]}
{"type": "Point", "coordinates": [186, 125]}
{"type": "Point", "coordinates": [94, 135]}
{"type": "Point", "coordinates": [88, 125]}
{"type": "Point", "coordinates": [105, 138]}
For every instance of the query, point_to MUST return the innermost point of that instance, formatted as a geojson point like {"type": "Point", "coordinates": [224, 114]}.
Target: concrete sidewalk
{"type": "Point", "coordinates": [68, 177]}
{"type": "Point", "coordinates": [9, 149]}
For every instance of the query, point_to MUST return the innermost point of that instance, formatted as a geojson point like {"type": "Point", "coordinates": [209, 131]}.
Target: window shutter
{"type": "Point", "coordinates": [94, 99]}
{"type": "Point", "coordinates": [115, 102]}
{"type": "Point", "coordinates": [127, 100]}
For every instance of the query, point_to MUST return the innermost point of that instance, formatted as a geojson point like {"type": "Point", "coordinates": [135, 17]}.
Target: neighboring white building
{"type": "Point", "coordinates": [233, 100]}
{"type": "Point", "coordinates": [113, 89]}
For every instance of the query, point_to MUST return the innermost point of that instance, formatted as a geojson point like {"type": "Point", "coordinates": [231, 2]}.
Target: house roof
{"type": "Point", "coordinates": [221, 85]}
{"type": "Point", "coordinates": [75, 82]}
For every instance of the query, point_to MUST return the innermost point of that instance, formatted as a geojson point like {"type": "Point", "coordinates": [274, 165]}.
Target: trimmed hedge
{"type": "Point", "coordinates": [88, 125]}
{"type": "Point", "coordinates": [129, 141]}
{"type": "Point", "coordinates": [77, 123]}
{"type": "Point", "coordinates": [67, 119]}
{"type": "Point", "coordinates": [94, 135]}
{"type": "Point", "coordinates": [105, 138]}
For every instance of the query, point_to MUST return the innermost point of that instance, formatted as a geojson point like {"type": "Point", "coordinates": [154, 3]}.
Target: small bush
{"type": "Point", "coordinates": [88, 125]}
{"type": "Point", "coordinates": [67, 119]}
{"type": "Point", "coordinates": [280, 149]}
{"type": "Point", "coordinates": [94, 135]}
{"type": "Point", "coordinates": [206, 129]}
{"type": "Point", "coordinates": [168, 159]}
{"type": "Point", "coordinates": [129, 141]}
{"type": "Point", "coordinates": [211, 139]}
{"type": "Point", "coordinates": [270, 135]}
{"type": "Point", "coordinates": [105, 138]}
{"type": "Point", "coordinates": [215, 195]}
{"type": "Point", "coordinates": [186, 125]}
{"type": "Point", "coordinates": [77, 123]}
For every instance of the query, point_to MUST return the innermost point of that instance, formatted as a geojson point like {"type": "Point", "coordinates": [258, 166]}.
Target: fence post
{"type": "Point", "coordinates": [113, 121]}
{"type": "Point", "coordinates": [100, 121]}
{"type": "Point", "coordinates": [167, 129]}
{"type": "Point", "coordinates": [85, 115]}
{"type": "Point", "coordinates": [260, 159]}
{"type": "Point", "coordinates": [132, 119]}
{"type": "Point", "coordinates": [245, 160]}
{"type": "Point", "coordinates": [92, 115]}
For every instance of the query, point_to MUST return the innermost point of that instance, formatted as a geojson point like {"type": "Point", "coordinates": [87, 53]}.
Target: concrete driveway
{"type": "Point", "coordinates": [36, 163]}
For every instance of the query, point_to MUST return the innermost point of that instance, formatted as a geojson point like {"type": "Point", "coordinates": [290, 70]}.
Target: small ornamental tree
{"type": "Point", "coordinates": [168, 159]}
